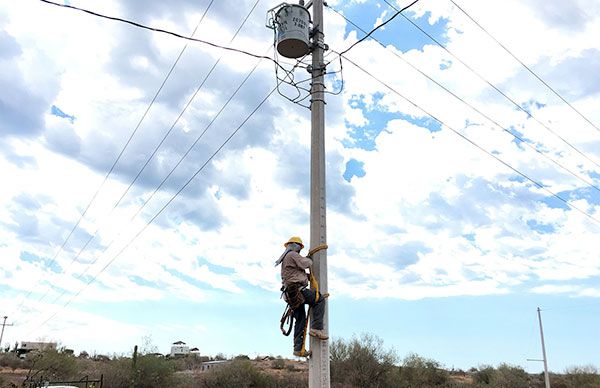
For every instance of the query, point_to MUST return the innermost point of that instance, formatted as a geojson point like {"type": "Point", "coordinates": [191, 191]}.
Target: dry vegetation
{"type": "Point", "coordinates": [360, 362]}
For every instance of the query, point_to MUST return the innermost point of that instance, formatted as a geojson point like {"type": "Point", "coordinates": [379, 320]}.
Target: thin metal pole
{"type": "Point", "coordinates": [318, 371]}
{"type": "Point", "coordinates": [546, 376]}
{"type": "Point", "coordinates": [2, 333]}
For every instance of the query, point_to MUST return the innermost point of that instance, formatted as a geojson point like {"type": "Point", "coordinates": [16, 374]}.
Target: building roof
{"type": "Point", "coordinates": [194, 350]}
{"type": "Point", "coordinates": [179, 343]}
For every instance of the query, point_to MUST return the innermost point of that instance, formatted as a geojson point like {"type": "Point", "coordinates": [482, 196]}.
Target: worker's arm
{"type": "Point", "coordinates": [301, 261]}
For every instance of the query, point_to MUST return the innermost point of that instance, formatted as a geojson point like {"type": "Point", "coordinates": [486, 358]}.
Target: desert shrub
{"type": "Point", "coordinates": [52, 365]}
{"type": "Point", "coordinates": [291, 367]}
{"type": "Point", "coordinates": [117, 372]}
{"type": "Point", "coordinates": [483, 375]}
{"type": "Point", "coordinates": [292, 381]}
{"type": "Point", "coordinates": [361, 362]}
{"type": "Point", "coordinates": [152, 371]}
{"type": "Point", "coordinates": [417, 371]}
{"type": "Point", "coordinates": [149, 372]}
{"type": "Point", "coordinates": [239, 373]}
{"type": "Point", "coordinates": [505, 376]}
{"type": "Point", "coordinates": [582, 377]}
{"type": "Point", "coordinates": [10, 360]}
{"type": "Point", "coordinates": [187, 362]}
{"type": "Point", "coordinates": [511, 376]}
{"type": "Point", "coordinates": [278, 363]}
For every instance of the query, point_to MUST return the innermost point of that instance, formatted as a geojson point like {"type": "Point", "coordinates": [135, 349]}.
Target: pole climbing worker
{"type": "Point", "coordinates": [297, 294]}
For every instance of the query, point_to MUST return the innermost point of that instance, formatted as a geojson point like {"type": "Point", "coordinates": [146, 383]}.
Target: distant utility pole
{"type": "Point", "coordinates": [318, 371]}
{"type": "Point", "coordinates": [546, 376]}
{"type": "Point", "coordinates": [2, 332]}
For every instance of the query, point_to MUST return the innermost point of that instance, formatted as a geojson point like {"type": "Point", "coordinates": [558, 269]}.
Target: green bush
{"type": "Point", "coordinates": [417, 371]}
{"type": "Point", "coordinates": [582, 377]}
{"type": "Point", "coordinates": [152, 371]}
{"type": "Point", "coordinates": [149, 372]}
{"type": "Point", "coordinates": [278, 363]}
{"type": "Point", "coordinates": [52, 365]}
{"type": "Point", "coordinates": [484, 374]}
{"type": "Point", "coordinates": [11, 360]}
{"type": "Point", "coordinates": [117, 372]}
{"type": "Point", "coordinates": [505, 376]}
{"type": "Point", "coordinates": [361, 362]}
{"type": "Point", "coordinates": [240, 374]}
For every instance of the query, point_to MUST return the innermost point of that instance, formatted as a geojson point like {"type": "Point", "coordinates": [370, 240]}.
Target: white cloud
{"type": "Point", "coordinates": [465, 218]}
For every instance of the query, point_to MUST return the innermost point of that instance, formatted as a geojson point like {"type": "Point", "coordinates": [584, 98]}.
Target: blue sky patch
{"type": "Point", "coordinates": [56, 111]}
{"type": "Point", "coordinates": [364, 137]}
{"type": "Point", "coordinates": [469, 236]}
{"type": "Point", "coordinates": [354, 168]}
{"type": "Point", "coordinates": [528, 105]}
{"type": "Point", "coordinates": [142, 282]}
{"type": "Point", "coordinates": [31, 258]}
{"type": "Point", "coordinates": [220, 270]}
{"type": "Point", "coordinates": [400, 33]}
{"type": "Point", "coordinates": [540, 227]}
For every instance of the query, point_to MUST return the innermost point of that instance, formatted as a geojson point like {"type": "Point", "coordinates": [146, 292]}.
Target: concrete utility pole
{"type": "Point", "coordinates": [2, 332]}
{"type": "Point", "coordinates": [318, 371]}
{"type": "Point", "coordinates": [546, 376]}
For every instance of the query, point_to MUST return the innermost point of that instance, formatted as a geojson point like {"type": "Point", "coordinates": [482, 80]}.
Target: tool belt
{"type": "Point", "coordinates": [293, 295]}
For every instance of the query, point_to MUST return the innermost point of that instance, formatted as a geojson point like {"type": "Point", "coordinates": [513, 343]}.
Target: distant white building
{"type": "Point", "coordinates": [179, 348]}
{"type": "Point", "coordinates": [208, 365]}
{"type": "Point", "coordinates": [27, 347]}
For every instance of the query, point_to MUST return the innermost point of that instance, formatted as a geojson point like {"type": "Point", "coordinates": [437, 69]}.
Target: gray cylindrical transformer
{"type": "Point", "coordinates": [293, 27]}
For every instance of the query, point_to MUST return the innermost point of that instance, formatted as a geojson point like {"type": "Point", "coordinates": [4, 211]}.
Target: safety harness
{"type": "Point", "coordinates": [292, 294]}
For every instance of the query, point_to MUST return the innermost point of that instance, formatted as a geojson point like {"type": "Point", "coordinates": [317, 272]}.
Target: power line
{"type": "Point", "coordinates": [110, 171]}
{"type": "Point", "coordinates": [497, 89]}
{"type": "Point", "coordinates": [526, 67]}
{"type": "Point", "coordinates": [161, 210]}
{"type": "Point", "coordinates": [175, 34]}
{"type": "Point", "coordinates": [536, 183]}
{"type": "Point", "coordinates": [521, 139]}
{"type": "Point", "coordinates": [157, 147]}
{"type": "Point", "coordinates": [378, 27]}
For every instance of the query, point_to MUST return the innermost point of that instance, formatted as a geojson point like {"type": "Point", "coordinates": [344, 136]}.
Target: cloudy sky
{"type": "Point", "coordinates": [117, 222]}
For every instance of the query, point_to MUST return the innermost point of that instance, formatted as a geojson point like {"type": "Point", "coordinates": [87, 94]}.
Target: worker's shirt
{"type": "Point", "coordinates": [293, 268]}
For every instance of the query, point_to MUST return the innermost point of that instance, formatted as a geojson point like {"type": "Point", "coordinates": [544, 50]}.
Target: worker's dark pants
{"type": "Point", "coordinates": [318, 309]}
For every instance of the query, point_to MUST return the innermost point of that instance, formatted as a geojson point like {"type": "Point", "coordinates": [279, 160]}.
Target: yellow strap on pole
{"type": "Point", "coordinates": [317, 249]}
{"type": "Point", "coordinates": [314, 285]}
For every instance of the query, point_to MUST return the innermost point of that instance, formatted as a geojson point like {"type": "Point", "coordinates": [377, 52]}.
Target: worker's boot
{"type": "Point", "coordinates": [302, 353]}
{"type": "Point", "coordinates": [318, 334]}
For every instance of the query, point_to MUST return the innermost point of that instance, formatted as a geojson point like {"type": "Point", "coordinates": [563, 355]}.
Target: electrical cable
{"type": "Point", "coordinates": [496, 88]}
{"type": "Point", "coordinates": [161, 210]}
{"type": "Point", "coordinates": [536, 183]}
{"type": "Point", "coordinates": [526, 67]}
{"type": "Point", "coordinates": [378, 27]}
{"type": "Point", "coordinates": [155, 191]}
{"type": "Point", "coordinates": [110, 171]}
{"type": "Point", "coordinates": [157, 147]}
{"type": "Point", "coordinates": [521, 139]}
{"type": "Point", "coordinates": [175, 34]}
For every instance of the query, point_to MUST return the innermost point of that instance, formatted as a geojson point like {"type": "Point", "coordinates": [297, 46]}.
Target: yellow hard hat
{"type": "Point", "coordinates": [294, 239]}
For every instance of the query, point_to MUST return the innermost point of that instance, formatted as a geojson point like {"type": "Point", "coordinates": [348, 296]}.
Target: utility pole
{"type": "Point", "coordinates": [318, 371]}
{"type": "Point", "coordinates": [546, 376]}
{"type": "Point", "coordinates": [293, 37]}
{"type": "Point", "coordinates": [2, 332]}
